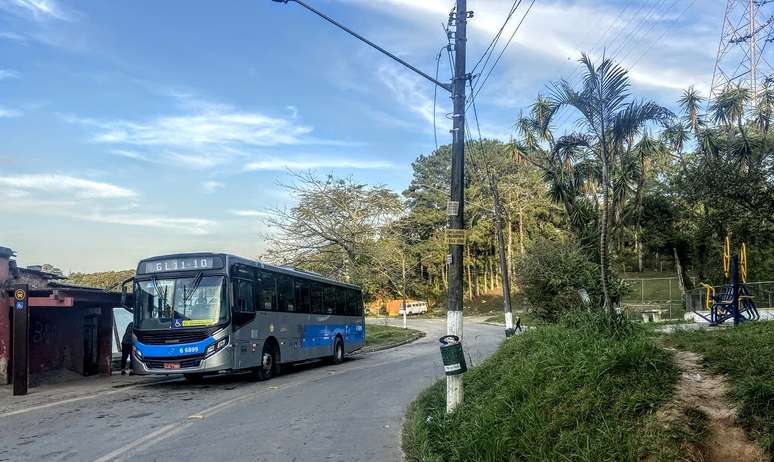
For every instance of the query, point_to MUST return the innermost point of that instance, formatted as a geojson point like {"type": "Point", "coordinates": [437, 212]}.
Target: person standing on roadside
{"type": "Point", "coordinates": [126, 348]}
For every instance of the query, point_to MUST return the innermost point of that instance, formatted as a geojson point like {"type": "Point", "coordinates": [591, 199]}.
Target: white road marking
{"type": "Point", "coordinates": [135, 443]}
{"type": "Point", "coordinates": [78, 398]}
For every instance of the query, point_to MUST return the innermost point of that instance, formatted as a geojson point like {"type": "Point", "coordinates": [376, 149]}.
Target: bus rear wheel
{"type": "Point", "coordinates": [269, 366]}
{"type": "Point", "coordinates": [338, 351]}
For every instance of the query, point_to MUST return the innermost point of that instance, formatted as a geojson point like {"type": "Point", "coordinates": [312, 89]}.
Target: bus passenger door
{"type": "Point", "coordinates": [267, 310]}
{"type": "Point", "coordinates": [243, 286]}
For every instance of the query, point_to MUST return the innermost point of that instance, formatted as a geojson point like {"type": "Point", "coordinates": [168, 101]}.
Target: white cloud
{"type": "Point", "coordinates": [195, 161]}
{"type": "Point", "coordinates": [249, 213]}
{"type": "Point", "coordinates": [215, 125]}
{"type": "Point", "coordinates": [195, 226]}
{"type": "Point", "coordinates": [129, 154]}
{"type": "Point", "coordinates": [211, 186]}
{"type": "Point", "coordinates": [204, 136]}
{"type": "Point", "coordinates": [38, 10]}
{"type": "Point", "coordinates": [13, 36]}
{"type": "Point", "coordinates": [293, 111]}
{"type": "Point", "coordinates": [7, 113]}
{"type": "Point", "coordinates": [308, 164]}
{"type": "Point", "coordinates": [73, 197]}
{"type": "Point", "coordinates": [412, 93]}
{"type": "Point", "coordinates": [8, 74]}
{"type": "Point", "coordinates": [78, 187]}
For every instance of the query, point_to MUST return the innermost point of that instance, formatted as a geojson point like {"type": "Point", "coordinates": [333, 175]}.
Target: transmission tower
{"type": "Point", "coordinates": [741, 57]}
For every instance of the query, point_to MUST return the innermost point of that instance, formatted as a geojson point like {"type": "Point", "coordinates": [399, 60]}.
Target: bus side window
{"type": "Point", "coordinates": [341, 301]}
{"type": "Point", "coordinates": [317, 298]}
{"type": "Point", "coordinates": [266, 299]}
{"type": "Point", "coordinates": [359, 303]}
{"type": "Point", "coordinates": [285, 294]}
{"type": "Point", "coordinates": [244, 299]}
{"type": "Point", "coordinates": [351, 302]}
{"type": "Point", "coordinates": [329, 300]}
{"type": "Point", "coordinates": [303, 296]}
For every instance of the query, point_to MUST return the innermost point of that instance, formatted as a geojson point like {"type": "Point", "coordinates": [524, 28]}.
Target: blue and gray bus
{"type": "Point", "coordinates": [206, 313]}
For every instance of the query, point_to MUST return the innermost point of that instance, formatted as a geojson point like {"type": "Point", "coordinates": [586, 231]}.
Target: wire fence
{"type": "Point", "coordinates": [660, 299]}
{"type": "Point", "coordinates": [762, 293]}
{"type": "Point", "coordinates": [653, 300]}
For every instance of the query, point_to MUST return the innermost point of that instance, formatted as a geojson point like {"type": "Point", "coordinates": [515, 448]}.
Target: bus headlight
{"type": "Point", "coordinates": [137, 352]}
{"type": "Point", "coordinates": [217, 346]}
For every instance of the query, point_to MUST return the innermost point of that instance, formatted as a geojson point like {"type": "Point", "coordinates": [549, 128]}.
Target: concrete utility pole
{"type": "Point", "coordinates": [456, 206]}
{"type": "Point", "coordinates": [504, 273]}
{"type": "Point", "coordinates": [454, 315]}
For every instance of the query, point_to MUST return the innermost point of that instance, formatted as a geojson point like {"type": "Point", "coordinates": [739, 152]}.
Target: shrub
{"type": "Point", "coordinates": [552, 272]}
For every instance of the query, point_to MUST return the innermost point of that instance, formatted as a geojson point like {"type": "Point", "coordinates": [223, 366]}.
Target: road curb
{"type": "Point", "coordinates": [363, 350]}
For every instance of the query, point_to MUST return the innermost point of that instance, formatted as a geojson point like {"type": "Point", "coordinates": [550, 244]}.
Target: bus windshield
{"type": "Point", "coordinates": [178, 303]}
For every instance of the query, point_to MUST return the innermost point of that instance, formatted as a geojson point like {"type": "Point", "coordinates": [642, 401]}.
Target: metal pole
{"type": "Point", "coordinates": [454, 394]}
{"type": "Point", "coordinates": [21, 344]}
{"type": "Point", "coordinates": [501, 250]}
{"type": "Point", "coordinates": [735, 289]}
{"type": "Point", "coordinates": [753, 52]}
{"type": "Point", "coordinates": [405, 301]}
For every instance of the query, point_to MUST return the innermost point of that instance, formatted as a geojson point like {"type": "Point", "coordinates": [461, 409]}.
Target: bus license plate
{"type": "Point", "coordinates": [171, 365]}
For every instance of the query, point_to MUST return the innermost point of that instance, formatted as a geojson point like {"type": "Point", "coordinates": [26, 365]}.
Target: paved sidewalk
{"type": "Point", "coordinates": [80, 388]}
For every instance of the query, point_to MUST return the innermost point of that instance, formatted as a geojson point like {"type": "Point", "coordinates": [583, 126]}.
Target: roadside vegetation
{"type": "Point", "coordinates": [745, 355]}
{"type": "Point", "coordinates": [378, 337]}
{"type": "Point", "coordinates": [108, 280]}
{"type": "Point", "coordinates": [527, 319]}
{"type": "Point", "coordinates": [570, 391]}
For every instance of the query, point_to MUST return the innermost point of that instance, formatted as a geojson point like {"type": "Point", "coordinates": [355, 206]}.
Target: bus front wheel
{"type": "Point", "coordinates": [268, 366]}
{"type": "Point", "coordinates": [338, 351]}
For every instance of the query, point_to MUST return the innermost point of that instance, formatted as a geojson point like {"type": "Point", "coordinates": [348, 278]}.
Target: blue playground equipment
{"type": "Point", "coordinates": [733, 300]}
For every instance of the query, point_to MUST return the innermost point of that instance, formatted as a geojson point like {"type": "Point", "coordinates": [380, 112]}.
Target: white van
{"type": "Point", "coordinates": [413, 308]}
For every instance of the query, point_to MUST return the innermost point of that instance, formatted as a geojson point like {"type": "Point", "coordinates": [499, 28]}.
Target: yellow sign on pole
{"type": "Point", "coordinates": [455, 236]}
{"type": "Point", "coordinates": [20, 294]}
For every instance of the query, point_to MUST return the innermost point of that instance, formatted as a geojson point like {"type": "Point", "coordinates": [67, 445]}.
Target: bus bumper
{"type": "Point", "coordinates": [220, 360]}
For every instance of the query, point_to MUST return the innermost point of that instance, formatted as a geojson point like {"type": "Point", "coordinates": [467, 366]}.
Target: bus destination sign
{"type": "Point", "coordinates": [182, 264]}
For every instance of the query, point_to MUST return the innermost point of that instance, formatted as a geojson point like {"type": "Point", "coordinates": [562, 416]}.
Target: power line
{"type": "Point", "coordinates": [647, 49]}
{"type": "Point", "coordinates": [510, 39]}
{"type": "Point", "coordinates": [496, 38]}
{"type": "Point", "coordinates": [620, 45]}
{"type": "Point", "coordinates": [435, 95]}
{"type": "Point", "coordinates": [627, 40]}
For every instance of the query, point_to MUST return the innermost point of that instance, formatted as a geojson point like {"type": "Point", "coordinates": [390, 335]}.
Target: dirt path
{"type": "Point", "coordinates": [698, 389]}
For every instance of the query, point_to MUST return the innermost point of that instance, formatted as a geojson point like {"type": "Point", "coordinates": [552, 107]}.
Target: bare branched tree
{"type": "Point", "coordinates": [332, 227]}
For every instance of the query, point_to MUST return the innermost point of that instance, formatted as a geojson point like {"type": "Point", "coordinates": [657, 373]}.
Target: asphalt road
{"type": "Point", "coordinates": [314, 412]}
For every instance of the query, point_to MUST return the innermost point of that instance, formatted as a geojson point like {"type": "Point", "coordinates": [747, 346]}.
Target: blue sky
{"type": "Point", "coordinates": [134, 128]}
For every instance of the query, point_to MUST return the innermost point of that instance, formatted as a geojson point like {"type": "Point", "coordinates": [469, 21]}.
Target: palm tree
{"type": "Point", "coordinates": [728, 109]}
{"type": "Point", "coordinates": [612, 122]}
{"type": "Point", "coordinates": [762, 112]}
{"type": "Point", "coordinates": [690, 103]}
